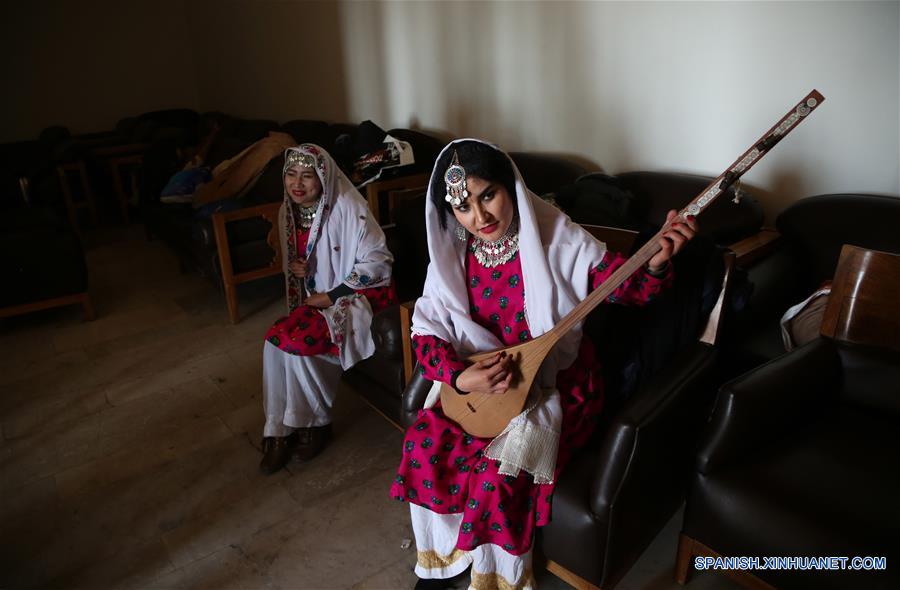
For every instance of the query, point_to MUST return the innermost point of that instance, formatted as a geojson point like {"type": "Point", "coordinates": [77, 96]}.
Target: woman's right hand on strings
{"type": "Point", "coordinates": [298, 268]}
{"type": "Point", "coordinates": [491, 375]}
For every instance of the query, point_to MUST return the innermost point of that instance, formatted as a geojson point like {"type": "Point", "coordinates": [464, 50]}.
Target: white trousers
{"type": "Point", "coordinates": [298, 391]}
{"type": "Point", "coordinates": [438, 557]}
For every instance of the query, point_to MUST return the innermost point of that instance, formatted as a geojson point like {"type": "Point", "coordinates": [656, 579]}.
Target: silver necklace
{"type": "Point", "coordinates": [307, 215]}
{"type": "Point", "coordinates": [491, 254]}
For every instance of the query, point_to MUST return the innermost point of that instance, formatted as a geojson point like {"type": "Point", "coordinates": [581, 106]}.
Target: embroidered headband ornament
{"type": "Point", "coordinates": [455, 178]}
{"type": "Point", "coordinates": [301, 159]}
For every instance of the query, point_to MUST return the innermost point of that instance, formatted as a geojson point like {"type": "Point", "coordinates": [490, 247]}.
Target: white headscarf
{"type": "Point", "coordinates": [556, 256]}
{"type": "Point", "coordinates": [345, 246]}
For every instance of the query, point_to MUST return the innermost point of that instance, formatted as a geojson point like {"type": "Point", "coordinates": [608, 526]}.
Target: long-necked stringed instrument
{"type": "Point", "coordinates": [486, 414]}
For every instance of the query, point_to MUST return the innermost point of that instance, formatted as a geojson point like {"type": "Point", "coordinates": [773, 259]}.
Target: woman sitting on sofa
{"type": "Point", "coordinates": [337, 271]}
{"type": "Point", "coordinates": [505, 268]}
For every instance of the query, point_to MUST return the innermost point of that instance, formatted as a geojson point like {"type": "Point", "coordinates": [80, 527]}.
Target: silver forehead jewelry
{"type": "Point", "coordinates": [491, 254]}
{"type": "Point", "coordinates": [301, 159]}
{"type": "Point", "coordinates": [455, 178]}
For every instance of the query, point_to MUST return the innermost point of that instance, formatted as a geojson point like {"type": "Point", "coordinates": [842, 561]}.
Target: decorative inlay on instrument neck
{"type": "Point", "coordinates": [485, 414]}
{"type": "Point", "coordinates": [715, 189]}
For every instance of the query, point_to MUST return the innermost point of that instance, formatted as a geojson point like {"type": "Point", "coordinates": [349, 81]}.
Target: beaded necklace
{"type": "Point", "coordinates": [491, 254]}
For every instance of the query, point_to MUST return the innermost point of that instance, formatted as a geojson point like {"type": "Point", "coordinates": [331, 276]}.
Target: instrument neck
{"type": "Point", "coordinates": [619, 276]}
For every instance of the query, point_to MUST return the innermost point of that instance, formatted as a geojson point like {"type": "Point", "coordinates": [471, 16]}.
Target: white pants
{"type": "Point", "coordinates": [438, 557]}
{"type": "Point", "coordinates": [298, 391]}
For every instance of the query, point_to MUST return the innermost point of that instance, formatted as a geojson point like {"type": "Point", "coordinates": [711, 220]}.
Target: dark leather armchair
{"type": "Point", "coordinates": [812, 233]}
{"type": "Point", "coordinates": [800, 457]}
{"type": "Point", "coordinates": [31, 237]}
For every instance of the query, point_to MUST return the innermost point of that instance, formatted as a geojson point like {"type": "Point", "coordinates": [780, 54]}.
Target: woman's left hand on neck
{"type": "Point", "coordinates": [672, 241]}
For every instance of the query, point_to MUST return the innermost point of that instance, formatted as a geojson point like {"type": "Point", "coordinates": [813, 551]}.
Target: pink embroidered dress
{"type": "Point", "coordinates": [444, 469]}
{"type": "Point", "coordinates": [305, 332]}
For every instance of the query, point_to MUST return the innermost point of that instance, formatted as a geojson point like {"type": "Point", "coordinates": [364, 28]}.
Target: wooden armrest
{"type": "Point", "coordinates": [268, 211]}
{"type": "Point", "coordinates": [616, 239]}
{"type": "Point", "coordinates": [756, 246]}
{"type": "Point", "coordinates": [230, 280]}
{"type": "Point", "coordinates": [409, 361]}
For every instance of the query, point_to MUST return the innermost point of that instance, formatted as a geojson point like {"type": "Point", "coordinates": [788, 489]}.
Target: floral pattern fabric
{"type": "Point", "coordinates": [305, 332]}
{"type": "Point", "coordinates": [444, 468]}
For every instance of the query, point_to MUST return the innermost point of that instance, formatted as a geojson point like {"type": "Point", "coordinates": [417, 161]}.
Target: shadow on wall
{"type": "Point", "coordinates": [638, 86]}
{"type": "Point", "coordinates": [270, 60]}
{"type": "Point", "coordinates": [514, 75]}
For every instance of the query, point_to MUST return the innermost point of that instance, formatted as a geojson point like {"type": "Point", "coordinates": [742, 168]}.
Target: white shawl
{"type": "Point", "coordinates": [556, 257]}
{"type": "Point", "coordinates": [346, 246]}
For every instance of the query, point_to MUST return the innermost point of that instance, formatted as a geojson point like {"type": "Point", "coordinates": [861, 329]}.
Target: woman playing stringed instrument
{"type": "Point", "coordinates": [505, 268]}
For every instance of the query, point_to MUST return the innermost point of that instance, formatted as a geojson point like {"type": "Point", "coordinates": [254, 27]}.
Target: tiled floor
{"type": "Point", "coordinates": [129, 451]}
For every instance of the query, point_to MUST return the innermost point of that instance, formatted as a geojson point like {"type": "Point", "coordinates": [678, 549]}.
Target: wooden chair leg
{"type": "Point", "coordinates": [68, 199]}
{"type": "Point", "coordinates": [88, 193]}
{"type": "Point", "coordinates": [119, 189]}
{"type": "Point", "coordinates": [406, 311]}
{"type": "Point", "coordinates": [683, 559]}
{"type": "Point", "coordinates": [231, 300]}
{"type": "Point", "coordinates": [372, 198]}
{"type": "Point", "coordinates": [568, 577]}
{"type": "Point", "coordinates": [87, 307]}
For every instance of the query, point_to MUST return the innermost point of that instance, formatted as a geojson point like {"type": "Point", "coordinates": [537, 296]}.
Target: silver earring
{"type": "Point", "coordinates": [461, 233]}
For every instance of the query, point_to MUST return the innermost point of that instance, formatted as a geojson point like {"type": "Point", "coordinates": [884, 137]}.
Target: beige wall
{"type": "Point", "coordinates": [88, 64]}
{"type": "Point", "coordinates": [644, 85]}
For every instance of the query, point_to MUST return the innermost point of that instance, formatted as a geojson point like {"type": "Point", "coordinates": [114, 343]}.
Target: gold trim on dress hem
{"type": "Point", "coordinates": [431, 559]}
{"type": "Point", "coordinates": [497, 582]}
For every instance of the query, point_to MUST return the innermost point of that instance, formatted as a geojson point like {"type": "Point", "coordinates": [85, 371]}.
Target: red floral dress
{"type": "Point", "coordinates": [305, 332]}
{"type": "Point", "coordinates": [444, 468]}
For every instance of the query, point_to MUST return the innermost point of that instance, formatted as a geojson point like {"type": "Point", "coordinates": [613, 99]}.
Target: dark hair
{"type": "Point", "coordinates": [479, 159]}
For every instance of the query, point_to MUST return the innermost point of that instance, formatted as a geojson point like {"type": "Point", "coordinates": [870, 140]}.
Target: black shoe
{"type": "Point", "coordinates": [277, 451]}
{"type": "Point", "coordinates": [433, 584]}
{"type": "Point", "coordinates": [311, 441]}
{"type": "Point", "coordinates": [442, 583]}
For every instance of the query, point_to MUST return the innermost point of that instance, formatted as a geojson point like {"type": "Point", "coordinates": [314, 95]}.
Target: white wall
{"type": "Point", "coordinates": [677, 86]}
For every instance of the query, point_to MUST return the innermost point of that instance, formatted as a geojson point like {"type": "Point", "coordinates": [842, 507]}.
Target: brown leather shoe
{"type": "Point", "coordinates": [311, 441]}
{"type": "Point", "coordinates": [277, 451]}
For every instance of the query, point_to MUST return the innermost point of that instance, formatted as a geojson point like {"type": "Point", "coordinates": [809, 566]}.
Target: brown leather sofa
{"type": "Point", "coordinates": [800, 457]}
